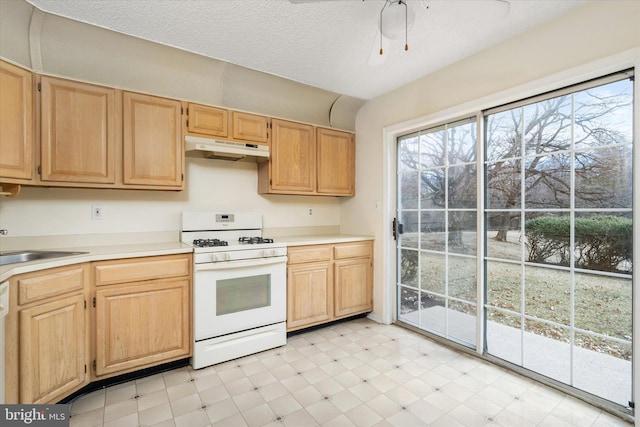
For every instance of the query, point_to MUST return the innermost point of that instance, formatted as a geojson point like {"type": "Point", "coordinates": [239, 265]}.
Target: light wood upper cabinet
{"type": "Point", "coordinates": [250, 127]}
{"type": "Point", "coordinates": [16, 122]}
{"type": "Point", "coordinates": [293, 158]}
{"type": "Point", "coordinates": [208, 120]}
{"type": "Point", "coordinates": [152, 141]}
{"type": "Point", "coordinates": [78, 132]}
{"type": "Point", "coordinates": [308, 160]}
{"type": "Point", "coordinates": [336, 162]}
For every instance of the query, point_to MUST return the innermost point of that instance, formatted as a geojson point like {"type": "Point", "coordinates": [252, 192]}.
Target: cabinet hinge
{"type": "Point", "coordinates": [85, 304]}
{"type": "Point", "coordinates": [187, 122]}
{"type": "Point", "coordinates": [270, 181]}
{"type": "Point", "coordinates": [39, 87]}
{"type": "Point", "coordinates": [187, 111]}
{"type": "Point", "coordinates": [39, 169]}
{"type": "Point", "coordinates": [94, 301]}
{"type": "Point", "coordinates": [85, 368]}
{"type": "Point", "coordinates": [94, 364]}
{"type": "Point", "coordinates": [181, 110]}
{"type": "Point", "coordinates": [182, 177]}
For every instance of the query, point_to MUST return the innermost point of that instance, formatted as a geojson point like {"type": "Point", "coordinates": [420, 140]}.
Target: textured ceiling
{"type": "Point", "coordinates": [330, 44]}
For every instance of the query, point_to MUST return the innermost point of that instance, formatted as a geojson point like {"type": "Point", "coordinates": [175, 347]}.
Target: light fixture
{"type": "Point", "coordinates": [395, 18]}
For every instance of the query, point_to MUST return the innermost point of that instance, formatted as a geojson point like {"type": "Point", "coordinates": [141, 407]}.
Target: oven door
{"type": "Point", "coordinates": [234, 296]}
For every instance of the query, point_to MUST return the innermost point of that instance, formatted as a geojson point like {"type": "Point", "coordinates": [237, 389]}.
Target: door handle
{"type": "Point", "coordinates": [397, 228]}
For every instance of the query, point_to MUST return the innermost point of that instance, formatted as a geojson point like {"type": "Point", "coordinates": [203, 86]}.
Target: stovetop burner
{"type": "Point", "coordinates": [254, 240]}
{"type": "Point", "coordinates": [206, 243]}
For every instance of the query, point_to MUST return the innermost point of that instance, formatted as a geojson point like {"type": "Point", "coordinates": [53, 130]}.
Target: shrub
{"type": "Point", "coordinates": [602, 243]}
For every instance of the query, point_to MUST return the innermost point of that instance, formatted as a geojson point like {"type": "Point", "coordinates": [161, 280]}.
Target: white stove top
{"type": "Point", "coordinates": [229, 227]}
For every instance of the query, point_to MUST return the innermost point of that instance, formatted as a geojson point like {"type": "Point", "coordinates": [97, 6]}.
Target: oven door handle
{"type": "Point", "coordinates": [226, 265]}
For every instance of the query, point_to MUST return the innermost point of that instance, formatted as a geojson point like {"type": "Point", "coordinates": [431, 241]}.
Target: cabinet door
{"type": "Point", "coordinates": [293, 158]}
{"type": "Point", "coordinates": [140, 324]}
{"type": "Point", "coordinates": [250, 127]}
{"type": "Point", "coordinates": [52, 349]}
{"type": "Point", "coordinates": [208, 120]}
{"type": "Point", "coordinates": [78, 132]}
{"type": "Point", "coordinates": [353, 286]}
{"type": "Point", "coordinates": [153, 148]}
{"type": "Point", "coordinates": [309, 295]}
{"type": "Point", "coordinates": [336, 162]}
{"type": "Point", "coordinates": [16, 122]}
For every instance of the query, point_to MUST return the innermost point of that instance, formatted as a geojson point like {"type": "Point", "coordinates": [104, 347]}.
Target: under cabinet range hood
{"type": "Point", "coordinates": [226, 150]}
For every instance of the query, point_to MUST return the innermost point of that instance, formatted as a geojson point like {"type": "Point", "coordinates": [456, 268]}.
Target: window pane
{"type": "Point", "coordinates": [409, 221]}
{"type": "Point", "coordinates": [462, 232]}
{"type": "Point", "coordinates": [462, 187]}
{"type": "Point", "coordinates": [432, 189]}
{"type": "Point", "coordinates": [408, 153]}
{"type": "Point", "coordinates": [409, 305]}
{"type": "Point", "coordinates": [548, 294]}
{"type": "Point", "coordinates": [462, 278]}
{"type": "Point", "coordinates": [504, 336]}
{"type": "Point", "coordinates": [547, 238]}
{"type": "Point", "coordinates": [548, 126]}
{"type": "Point", "coordinates": [504, 135]}
{"type": "Point", "coordinates": [603, 242]}
{"type": "Point", "coordinates": [604, 178]}
{"type": "Point", "coordinates": [547, 350]}
{"type": "Point", "coordinates": [504, 286]}
{"type": "Point", "coordinates": [432, 148]}
{"type": "Point", "coordinates": [409, 267]}
{"type": "Point", "coordinates": [604, 115]}
{"type": "Point", "coordinates": [461, 322]}
{"type": "Point", "coordinates": [432, 316]}
{"type": "Point", "coordinates": [548, 182]}
{"type": "Point", "coordinates": [504, 185]}
{"type": "Point", "coordinates": [613, 380]}
{"type": "Point", "coordinates": [462, 143]}
{"type": "Point", "coordinates": [432, 230]}
{"type": "Point", "coordinates": [409, 190]}
{"type": "Point", "coordinates": [433, 273]}
{"type": "Point", "coordinates": [503, 235]}
{"type": "Point", "coordinates": [603, 305]}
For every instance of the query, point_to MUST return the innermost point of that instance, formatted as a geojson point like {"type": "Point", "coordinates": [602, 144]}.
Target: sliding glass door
{"type": "Point", "coordinates": [437, 250]}
{"type": "Point", "coordinates": [554, 258]}
{"type": "Point", "coordinates": [559, 237]}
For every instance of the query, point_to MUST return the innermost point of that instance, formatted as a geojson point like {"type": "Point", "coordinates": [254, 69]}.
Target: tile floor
{"type": "Point", "coordinates": [357, 373]}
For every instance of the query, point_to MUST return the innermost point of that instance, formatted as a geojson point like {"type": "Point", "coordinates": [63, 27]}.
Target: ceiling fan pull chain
{"type": "Point", "coordinates": [406, 29]}
{"type": "Point", "coordinates": [382, 10]}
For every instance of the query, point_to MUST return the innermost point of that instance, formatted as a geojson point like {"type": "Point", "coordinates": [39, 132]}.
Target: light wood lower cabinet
{"type": "Point", "coordinates": [47, 340]}
{"type": "Point", "coordinates": [119, 316]}
{"type": "Point", "coordinates": [328, 282]}
{"type": "Point", "coordinates": [142, 312]}
{"type": "Point", "coordinates": [138, 325]}
{"type": "Point", "coordinates": [53, 357]}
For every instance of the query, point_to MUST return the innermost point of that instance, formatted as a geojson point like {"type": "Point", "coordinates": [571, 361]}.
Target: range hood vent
{"type": "Point", "coordinates": [225, 150]}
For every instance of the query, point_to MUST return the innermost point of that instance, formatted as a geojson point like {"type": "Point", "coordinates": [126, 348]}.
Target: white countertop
{"type": "Point", "coordinates": [322, 239]}
{"type": "Point", "coordinates": [133, 250]}
{"type": "Point", "coordinates": [95, 253]}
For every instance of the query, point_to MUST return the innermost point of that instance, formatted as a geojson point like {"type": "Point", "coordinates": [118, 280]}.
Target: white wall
{"type": "Point", "coordinates": [210, 184]}
{"type": "Point", "coordinates": [535, 61]}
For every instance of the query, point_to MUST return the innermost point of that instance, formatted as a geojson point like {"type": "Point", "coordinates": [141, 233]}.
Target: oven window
{"type": "Point", "coordinates": [242, 294]}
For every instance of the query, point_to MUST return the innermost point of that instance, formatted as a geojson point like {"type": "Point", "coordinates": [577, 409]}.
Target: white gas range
{"type": "Point", "coordinates": [239, 289]}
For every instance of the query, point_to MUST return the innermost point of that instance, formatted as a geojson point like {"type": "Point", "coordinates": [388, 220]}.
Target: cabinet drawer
{"type": "Point", "coordinates": [56, 281]}
{"type": "Point", "coordinates": [139, 269]}
{"type": "Point", "coordinates": [352, 250]}
{"type": "Point", "coordinates": [309, 254]}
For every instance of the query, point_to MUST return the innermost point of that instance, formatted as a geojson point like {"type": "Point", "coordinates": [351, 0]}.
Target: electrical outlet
{"type": "Point", "coordinates": [97, 212]}
{"type": "Point", "coordinates": [310, 211]}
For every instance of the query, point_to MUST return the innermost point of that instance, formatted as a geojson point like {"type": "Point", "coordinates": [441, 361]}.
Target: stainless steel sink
{"type": "Point", "coordinates": [26, 256]}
